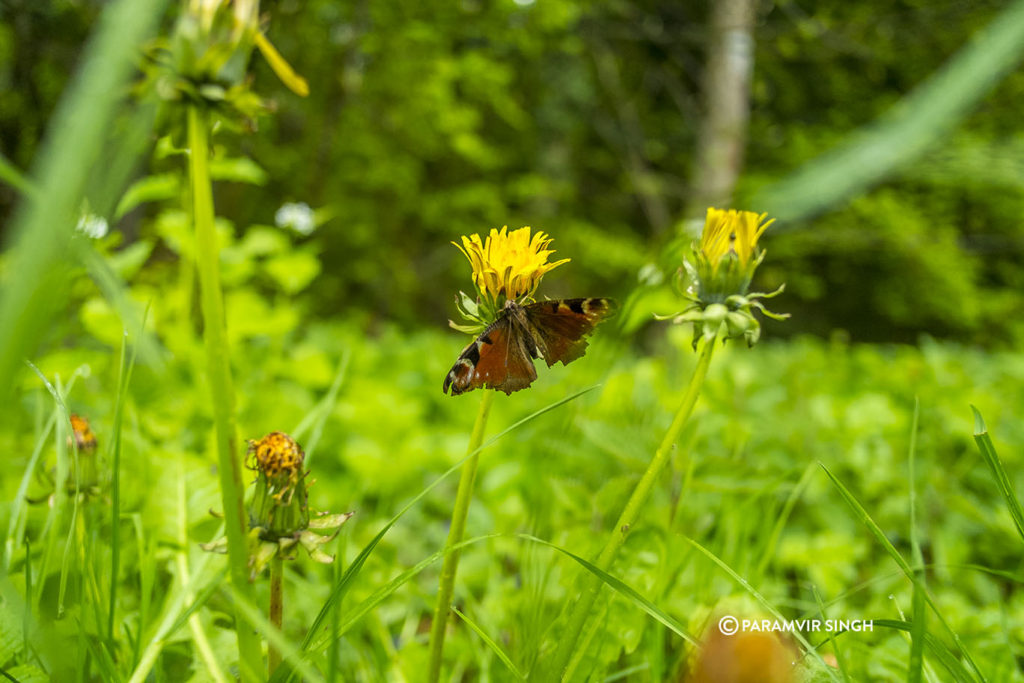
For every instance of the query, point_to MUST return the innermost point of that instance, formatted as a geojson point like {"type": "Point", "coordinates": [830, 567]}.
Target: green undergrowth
{"type": "Point", "coordinates": [744, 521]}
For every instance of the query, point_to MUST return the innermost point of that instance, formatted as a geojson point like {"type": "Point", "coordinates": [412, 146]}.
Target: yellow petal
{"type": "Point", "coordinates": [508, 264]}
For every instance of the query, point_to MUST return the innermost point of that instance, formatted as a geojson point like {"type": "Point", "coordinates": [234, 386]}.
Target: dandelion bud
{"type": "Point", "coordinates": [718, 275]}
{"type": "Point", "coordinates": [727, 254]}
{"type": "Point", "coordinates": [279, 519]}
{"type": "Point", "coordinates": [279, 507]}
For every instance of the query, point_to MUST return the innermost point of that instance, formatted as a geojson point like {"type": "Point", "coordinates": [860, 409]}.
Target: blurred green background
{"type": "Point", "coordinates": [885, 137]}
{"type": "Point", "coordinates": [581, 119]}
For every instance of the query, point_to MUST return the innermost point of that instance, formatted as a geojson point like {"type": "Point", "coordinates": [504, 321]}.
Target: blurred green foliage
{"type": "Point", "coordinates": [428, 122]}
{"type": "Point", "coordinates": [580, 120]}
{"type": "Point", "coordinates": [766, 419]}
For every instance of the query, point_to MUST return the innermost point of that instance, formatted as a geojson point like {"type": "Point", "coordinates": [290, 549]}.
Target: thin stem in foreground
{"type": "Point", "coordinates": [276, 609]}
{"type": "Point", "coordinates": [455, 534]}
{"type": "Point", "coordinates": [218, 366]}
{"type": "Point", "coordinates": [565, 661]}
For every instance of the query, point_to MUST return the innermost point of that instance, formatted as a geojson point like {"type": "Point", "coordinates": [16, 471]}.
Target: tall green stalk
{"type": "Point", "coordinates": [458, 528]}
{"type": "Point", "coordinates": [276, 609]}
{"type": "Point", "coordinates": [222, 396]}
{"type": "Point", "coordinates": [565, 661]}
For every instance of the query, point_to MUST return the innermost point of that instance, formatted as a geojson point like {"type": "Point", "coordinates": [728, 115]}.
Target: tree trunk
{"type": "Point", "coordinates": [723, 132]}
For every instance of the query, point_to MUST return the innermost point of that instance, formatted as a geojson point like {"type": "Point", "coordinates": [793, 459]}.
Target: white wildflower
{"type": "Point", "coordinates": [92, 226]}
{"type": "Point", "coordinates": [296, 216]}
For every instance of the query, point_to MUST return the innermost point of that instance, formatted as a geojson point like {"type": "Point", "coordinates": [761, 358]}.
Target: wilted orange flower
{"type": "Point", "coordinates": [82, 433]}
{"type": "Point", "coordinates": [277, 454]}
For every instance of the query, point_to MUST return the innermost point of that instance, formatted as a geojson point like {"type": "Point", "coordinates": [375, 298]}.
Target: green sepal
{"type": "Point", "coordinates": [312, 541]}
{"type": "Point", "coordinates": [218, 545]}
{"type": "Point", "coordinates": [264, 552]}
{"type": "Point", "coordinates": [476, 311]}
{"type": "Point", "coordinates": [468, 329]}
{"type": "Point", "coordinates": [329, 522]}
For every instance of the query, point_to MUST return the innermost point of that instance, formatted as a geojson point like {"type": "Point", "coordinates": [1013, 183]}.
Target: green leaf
{"type": "Point", "coordinates": [263, 240]}
{"type": "Point", "coordinates": [127, 262]}
{"type": "Point", "coordinates": [293, 271]}
{"type": "Point", "coordinates": [102, 321]}
{"type": "Point", "coordinates": [238, 170]}
{"type": "Point", "coordinates": [988, 451]}
{"type": "Point", "coordinates": [10, 634]}
{"type": "Point", "coordinates": [27, 673]}
{"type": "Point", "coordinates": [149, 189]}
{"type": "Point", "coordinates": [250, 315]}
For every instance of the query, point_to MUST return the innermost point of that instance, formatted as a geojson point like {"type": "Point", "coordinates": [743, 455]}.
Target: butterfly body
{"type": "Point", "coordinates": [502, 356]}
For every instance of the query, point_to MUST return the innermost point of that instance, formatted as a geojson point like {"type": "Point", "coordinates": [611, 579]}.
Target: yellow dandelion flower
{"type": "Point", "coordinates": [508, 265]}
{"type": "Point", "coordinates": [731, 231]}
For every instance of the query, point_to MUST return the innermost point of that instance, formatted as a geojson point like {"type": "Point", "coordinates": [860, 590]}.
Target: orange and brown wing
{"type": "Point", "coordinates": [497, 359]}
{"type": "Point", "coordinates": [562, 325]}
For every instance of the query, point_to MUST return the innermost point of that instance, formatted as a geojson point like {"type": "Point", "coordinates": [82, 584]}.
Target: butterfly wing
{"type": "Point", "coordinates": [560, 326]}
{"type": "Point", "coordinates": [498, 359]}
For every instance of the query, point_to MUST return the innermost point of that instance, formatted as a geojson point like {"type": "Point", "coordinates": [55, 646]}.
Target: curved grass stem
{"type": "Point", "coordinates": [218, 367]}
{"type": "Point", "coordinates": [567, 656]}
{"type": "Point", "coordinates": [458, 528]}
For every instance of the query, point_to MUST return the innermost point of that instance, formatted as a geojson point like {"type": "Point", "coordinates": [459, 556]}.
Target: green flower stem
{"type": "Point", "coordinates": [276, 609]}
{"type": "Point", "coordinates": [222, 397]}
{"type": "Point", "coordinates": [455, 534]}
{"type": "Point", "coordinates": [565, 662]}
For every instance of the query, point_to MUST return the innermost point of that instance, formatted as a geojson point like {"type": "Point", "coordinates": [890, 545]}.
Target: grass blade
{"type": "Point", "coordinates": [490, 643]}
{"type": "Point", "coordinates": [623, 589]}
{"type": "Point", "coordinates": [12, 175]}
{"type": "Point", "coordinates": [880, 536]}
{"type": "Point", "coordinates": [934, 646]}
{"type": "Point", "coordinates": [276, 639]}
{"type": "Point", "coordinates": [385, 591]}
{"type": "Point", "coordinates": [780, 523]}
{"type": "Point", "coordinates": [757, 596]}
{"type": "Point", "coordinates": [317, 417]}
{"type": "Point", "coordinates": [919, 611]}
{"type": "Point", "coordinates": [76, 135]}
{"type": "Point", "coordinates": [905, 131]}
{"type": "Point", "coordinates": [124, 376]}
{"type": "Point", "coordinates": [836, 648]}
{"type": "Point", "coordinates": [115, 291]}
{"type": "Point", "coordinates": [19, 509]}
{"type": "Point", "coordinates": [988, 451]}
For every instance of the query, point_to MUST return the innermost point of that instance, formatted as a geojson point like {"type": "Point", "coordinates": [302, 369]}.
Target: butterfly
{"type": "Point", "coordinates": [502, 356]}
